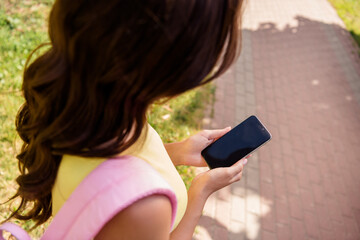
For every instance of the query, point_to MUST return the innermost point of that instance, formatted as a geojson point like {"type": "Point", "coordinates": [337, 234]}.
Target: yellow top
{"type": "Point", "coordinates": [74, 169]}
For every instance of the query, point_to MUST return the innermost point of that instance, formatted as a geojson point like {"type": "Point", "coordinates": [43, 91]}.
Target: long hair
{"type": "Point", "coordinates": [88, 94]}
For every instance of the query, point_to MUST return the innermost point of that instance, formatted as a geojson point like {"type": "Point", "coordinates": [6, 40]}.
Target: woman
{"type": "Point", "coordinates": [86, 100]}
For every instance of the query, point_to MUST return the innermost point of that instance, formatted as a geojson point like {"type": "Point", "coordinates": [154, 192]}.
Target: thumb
{"type": "Point", "coordinates": [217, 133]}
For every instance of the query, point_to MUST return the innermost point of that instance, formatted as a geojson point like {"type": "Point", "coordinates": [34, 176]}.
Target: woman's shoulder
{"type": "Point", "coordinates": [151, 214]}
{"type": "Point", "coordinates": [114, 186]}
{"type": "Point", "coordinates": [72, 171]}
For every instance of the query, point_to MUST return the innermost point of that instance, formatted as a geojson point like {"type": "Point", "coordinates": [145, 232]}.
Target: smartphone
{"type": "Point", "coordinates": [238, 143]}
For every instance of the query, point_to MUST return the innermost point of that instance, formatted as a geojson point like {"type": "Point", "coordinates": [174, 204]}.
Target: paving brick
{"type": "Point", "coordinates": [268, 218]}
{"type": "Point", "coordinates": [252, 202]}
{"type": "Point", "coordinates": [252, 226]}
{"type": "Point", "coordinates": [282, 212]}
{"type": "Point", "coordinates": [238, 208]}
{"type": "Point", "coordinates": [311, 224]}
{"type": "Point", "coordinates": [272, 118]}
{"type": "Point", "coordinates": [238, 188]}
{"type": "Point", "coordinates": [237, 231]}
{"type": "Point", "coordinates": [265, 235]}
{"type": "Point", "coordinates": [292, 185]}
{"type": "Point", "coordinates": [323, 215]}
{"type": "Point", "coordinates": [338, 229]}
{"type": "Point", "coordinates": [268, 221]}
{"type": "Point", "coordinates": [222, 212]}
{"type": "Point", "coordinates": [252, 179]}
{"type": "Point", "coordinates": [265, 172]}
{"type": "Point", "coordinates": [224, 194]}
{"type": "Point", "coordinates": [351, 228]}
{"type": "Point", "coordinates": [220, 233]}
{"type": "Point", "coordinates": [354, 197]}
{"type": "Point", "coordinates": [307, 199]}
{"type": "Point", "coordinates": [328, 234]}
{"type": "Point", "coordinates": [303, 177]}
{"type": "Point", "coordinates": [314, 174]}
{"type": "Point", "coordinates": [319, 194]}
{"type": "Point", "coordinates": [210, 206]}
{"type": "Point", "coordinates": [328, 187]}
{"type": "Point", "coordinates": [267, 192]}
{"type": "Point", "coordinates": [357, 217]}
{"type": "Point", "coordinates": [280, 187]}
{"type": "Point", "coordinates": [324, 166]}
{"type": "Point", "coordinates": [297, 230]}
{"type": "Point", "coordinates": [289, 165]}
{"type": "Point", "coordinates": [333, 208]}
{"type": "Point", "coordinates": [201, 234]}
{"type": "Point", "coordinates": [286, 148]}
{"type": "Point", "coordinates": [206, 222]}
{"type": "Point", "coordinates": [277, 167]}
{"type": "Point", "coordinates": [253, 161]}
{"type": "Point", "coordinates": [296, 210]}
{"type": "Point", "coordinates": [344, 205]}
{"type": "Point", "coordinates": [283, 232]}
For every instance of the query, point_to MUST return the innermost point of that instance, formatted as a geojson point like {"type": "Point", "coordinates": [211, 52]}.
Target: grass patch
{"type": "Point", "coordinates": [23, 26]}
{"type": "Point", "coordinates": [349, 12]}
{"type": "Point", "coordinates": [180, 118]}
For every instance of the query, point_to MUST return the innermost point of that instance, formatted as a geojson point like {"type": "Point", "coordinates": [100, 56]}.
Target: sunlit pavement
{"type": "Point", "coordinates": [299, 72]}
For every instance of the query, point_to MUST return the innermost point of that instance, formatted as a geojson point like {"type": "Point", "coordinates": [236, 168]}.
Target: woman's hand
{"type": "Point", "coordinates": [205, 183]}
{"type": "Point", "coordinates": [188, 152]}
{"type": "Point", "coordinates": [212, 180]}
{"type": "Point", "coordinates": [201, 188]}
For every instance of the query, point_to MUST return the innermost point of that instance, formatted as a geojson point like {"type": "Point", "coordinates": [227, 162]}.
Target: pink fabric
{"type": "Point", "coordinates": [15, 230]}
{"type": "Point", "coordinates": [111, 187]}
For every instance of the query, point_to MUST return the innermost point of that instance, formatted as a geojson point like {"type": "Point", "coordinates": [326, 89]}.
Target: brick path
{"type": "Point", "coordinates": [300, 74]}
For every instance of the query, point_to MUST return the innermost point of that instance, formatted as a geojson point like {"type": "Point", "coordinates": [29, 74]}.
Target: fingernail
{"type": "Point", "coordinates": [245, 161]}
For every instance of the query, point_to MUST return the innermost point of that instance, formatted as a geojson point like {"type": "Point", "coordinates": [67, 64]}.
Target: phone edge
{"type": "Point", "coordinates": [252, 150]}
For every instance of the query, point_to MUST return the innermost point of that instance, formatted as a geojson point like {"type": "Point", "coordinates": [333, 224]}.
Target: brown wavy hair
{"type": "Point", "coordinates": [88, 94]}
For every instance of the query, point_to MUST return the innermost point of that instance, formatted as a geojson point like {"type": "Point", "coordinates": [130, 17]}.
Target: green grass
{"type": "Point", "coordinates": [180, 118]}
{"type": "Point", "coordinates": [349, 12]}
{"type": "Point", "coordinates": [23, 26]}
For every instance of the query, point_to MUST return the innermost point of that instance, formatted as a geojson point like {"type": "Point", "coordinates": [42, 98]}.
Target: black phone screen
{"type": "Point", "coordinates": [236, 144]}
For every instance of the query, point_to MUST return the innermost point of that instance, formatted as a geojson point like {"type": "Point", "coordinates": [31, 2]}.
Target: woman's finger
{"type": "Point", "coordinates": [245, 161]}
{"type": "Point", "coordinates": [217, 133]}
{"type": "Point", "coordinates": [236, 168]}
{"type": "Point", "coordinates": [236, 177]}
